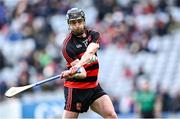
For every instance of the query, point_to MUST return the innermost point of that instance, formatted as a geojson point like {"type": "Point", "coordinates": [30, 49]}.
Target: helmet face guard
{"type": "Point", "coordinates": [75, 13]}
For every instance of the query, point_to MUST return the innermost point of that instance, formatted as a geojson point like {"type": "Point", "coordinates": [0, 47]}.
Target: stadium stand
{"type": "Point", "coordinates": [140, 41]}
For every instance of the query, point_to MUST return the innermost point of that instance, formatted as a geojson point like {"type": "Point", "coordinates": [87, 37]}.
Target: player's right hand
{"type": "Point", "coordinates": [66, 74]}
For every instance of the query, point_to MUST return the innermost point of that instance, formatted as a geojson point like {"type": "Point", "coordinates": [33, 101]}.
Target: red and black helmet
{"type": "Point", "coordinates": [75, 13]}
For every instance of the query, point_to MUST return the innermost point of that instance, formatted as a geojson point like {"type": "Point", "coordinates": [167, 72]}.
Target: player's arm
{"type": "Point", "coordinates": [89, 53]}
{"type": "Point", "coordinates": [158, 106]}
{"type": "Point", "coordinates": [87, 56]}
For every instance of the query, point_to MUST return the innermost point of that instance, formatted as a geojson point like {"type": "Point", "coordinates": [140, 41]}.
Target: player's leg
{"type": "Point", "coordinates": [69, 114]}
{"type": "Point", "coordinates": [75, 102]}
{"type": "Point", "coordinates": [104, 107]}
{"type": "Point", "coordinates": [70, 99]}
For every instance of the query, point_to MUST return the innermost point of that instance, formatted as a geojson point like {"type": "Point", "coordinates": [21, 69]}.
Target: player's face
{"type": "Point", "coordinates": [77, 26]}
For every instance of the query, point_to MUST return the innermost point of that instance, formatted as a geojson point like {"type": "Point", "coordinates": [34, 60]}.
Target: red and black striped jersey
{"type": "Point", "coordinates": [73, 48]}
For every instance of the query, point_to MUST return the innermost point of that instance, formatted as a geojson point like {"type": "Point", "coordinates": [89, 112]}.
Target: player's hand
{"type": "Point", "coordinates": [66, 74]}
{"type": "Point", "coordinates": [73, 70]}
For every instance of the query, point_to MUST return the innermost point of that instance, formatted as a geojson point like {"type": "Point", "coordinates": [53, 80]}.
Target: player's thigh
{"type": "Point", "coordinates": [69, 114]}
{"type": "Point", "coordinates": [103, 106]}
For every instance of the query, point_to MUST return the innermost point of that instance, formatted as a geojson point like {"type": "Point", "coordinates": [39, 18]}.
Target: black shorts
{"type": "Point", "coordinates": [79, 100]}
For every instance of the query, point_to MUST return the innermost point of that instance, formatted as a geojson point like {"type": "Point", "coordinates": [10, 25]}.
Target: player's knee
{"type": "Point", "coordinates": [111, 114]}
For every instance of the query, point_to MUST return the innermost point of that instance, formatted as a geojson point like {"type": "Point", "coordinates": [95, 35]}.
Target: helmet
{"type": "Point", "coordinates": [75, 13]}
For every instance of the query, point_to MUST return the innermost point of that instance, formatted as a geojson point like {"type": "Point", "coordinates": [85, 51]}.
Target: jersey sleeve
{"type": "Point", "coordinates": [95, 37]}
{"type": "Point", "coordinates": [69, 55]}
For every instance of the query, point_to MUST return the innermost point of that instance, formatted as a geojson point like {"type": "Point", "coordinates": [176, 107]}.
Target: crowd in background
{"type": "Point", "coordinates": [32, 32]}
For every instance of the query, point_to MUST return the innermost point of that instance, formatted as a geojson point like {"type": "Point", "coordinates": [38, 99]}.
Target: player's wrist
{"type": "Point", "coordinates": [92, 59]}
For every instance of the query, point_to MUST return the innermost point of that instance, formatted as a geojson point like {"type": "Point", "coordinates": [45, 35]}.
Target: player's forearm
{"type": "Point", "coordinates": [86, 58]}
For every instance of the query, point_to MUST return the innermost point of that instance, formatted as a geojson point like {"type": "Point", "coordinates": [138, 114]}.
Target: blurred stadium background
{"type": "Point", "coordinates": [140, 41]}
